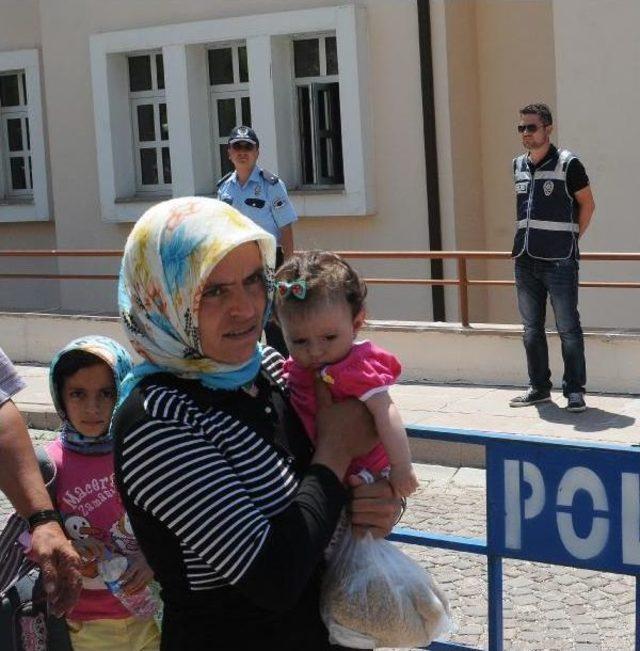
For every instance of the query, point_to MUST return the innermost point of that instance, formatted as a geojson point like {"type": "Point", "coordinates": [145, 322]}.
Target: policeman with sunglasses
{"type": "Point", "coordinates": [261, 196]}
{"type": "Point", "coordinates": [554, 206]}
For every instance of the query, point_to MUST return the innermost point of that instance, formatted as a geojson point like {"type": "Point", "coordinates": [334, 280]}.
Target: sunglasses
{"type": "Point", "coordinates": [528, 128]}
{"type": "Point", "coordinates": [243, 146]}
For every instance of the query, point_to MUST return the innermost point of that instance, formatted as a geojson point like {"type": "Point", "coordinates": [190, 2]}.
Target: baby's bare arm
{"type": "Point", "coordinates": [394, 438]}
{"type": "Point", "coordinates": [390, 428]}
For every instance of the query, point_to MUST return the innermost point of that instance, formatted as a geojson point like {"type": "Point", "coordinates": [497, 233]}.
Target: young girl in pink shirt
{"type": "Point", "coordinates": [115, 610]}
{"type": "Point", "coordinates": [320, 304]}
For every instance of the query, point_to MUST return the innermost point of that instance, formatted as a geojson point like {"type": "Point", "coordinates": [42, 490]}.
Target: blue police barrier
{"type": "Point", "coordinates": [550, 501]}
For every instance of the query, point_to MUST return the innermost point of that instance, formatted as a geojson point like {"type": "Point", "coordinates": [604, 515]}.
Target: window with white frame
{"type": "Point", "coordinates": [230, 103]}
{"type": "Point", "coordinates": [315, 67]}
{"type": "Point", "coordinates": [298, 114]}
{"type": "Point", "coordinates": [16, 183]}
{"type": "Point", "coordinates": [150, 124]}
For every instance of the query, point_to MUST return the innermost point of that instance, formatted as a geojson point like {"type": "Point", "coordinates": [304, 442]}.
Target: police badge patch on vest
{"type": "Point", "coordinates": [547, 188]}
{"type": "Point", "coordinates": [522, 187]}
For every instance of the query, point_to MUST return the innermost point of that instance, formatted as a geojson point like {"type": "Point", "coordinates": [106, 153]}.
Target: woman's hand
{"type": "Point", "coordinates": [137, 575]}
{"type": "Point", "coordinates": [344, 430]}
{"type": "Point", "coordinates": [60, 565]}
{"type": "Point", "coordinates": [373, 507]}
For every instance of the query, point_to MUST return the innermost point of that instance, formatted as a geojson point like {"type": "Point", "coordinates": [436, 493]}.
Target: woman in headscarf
{"type": "Point", "coordinates": [231, 504]}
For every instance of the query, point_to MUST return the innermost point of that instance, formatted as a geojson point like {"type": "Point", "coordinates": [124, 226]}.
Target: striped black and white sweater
{"type": "Point", "coordinates": [229, 512]}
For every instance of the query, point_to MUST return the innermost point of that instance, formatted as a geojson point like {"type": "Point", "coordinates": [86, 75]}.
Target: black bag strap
{"type": "Point", "coordinates": [48, 470]}
{"type": "Point", "coordinates": [13, 563]}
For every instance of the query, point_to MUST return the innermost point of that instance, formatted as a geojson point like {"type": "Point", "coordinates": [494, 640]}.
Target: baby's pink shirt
{"type": "Point", "coordinates": [365, 371]}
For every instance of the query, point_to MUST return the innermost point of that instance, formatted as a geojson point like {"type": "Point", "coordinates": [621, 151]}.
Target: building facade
{"type": "Point", "coordinates": [106, 108]}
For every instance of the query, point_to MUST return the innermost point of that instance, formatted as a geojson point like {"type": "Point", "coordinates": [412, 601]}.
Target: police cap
{"type": "Point", "coordinates": [243, 134]}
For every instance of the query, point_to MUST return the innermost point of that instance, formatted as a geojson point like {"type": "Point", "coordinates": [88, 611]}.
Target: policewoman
{"type": "Point", "coordinates": [261, 196]}
{"type": "Point", "coordinates": [554, 208]}
{"type": "Point", "coordinates": [256, 192]}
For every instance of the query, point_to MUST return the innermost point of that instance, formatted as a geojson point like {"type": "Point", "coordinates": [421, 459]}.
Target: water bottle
{"type": "Point", "coordinates": [142, 604]}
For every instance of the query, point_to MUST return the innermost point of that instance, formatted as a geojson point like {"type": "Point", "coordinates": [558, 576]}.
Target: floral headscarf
{"type": "Point", "coordinates": [118, 360]}
{"type": "Point", "coordinates": [169, 255]}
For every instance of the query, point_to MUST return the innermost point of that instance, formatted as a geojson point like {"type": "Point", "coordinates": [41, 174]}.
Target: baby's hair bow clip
{"type": "Point", "coordinates": [297, 288]}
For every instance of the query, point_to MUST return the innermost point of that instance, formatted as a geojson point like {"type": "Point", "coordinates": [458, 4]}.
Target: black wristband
{"type": "Point", "coordinates": [41, 517]}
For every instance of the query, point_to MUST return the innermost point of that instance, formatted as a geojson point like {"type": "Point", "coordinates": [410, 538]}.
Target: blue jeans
{"type": "Point", "coordinates": [559, 279]}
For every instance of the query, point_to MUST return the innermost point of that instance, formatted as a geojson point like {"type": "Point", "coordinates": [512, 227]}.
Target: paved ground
{"type": "Point", "coordinates": [611, 418]}
{"type": "Point", "coordinates": [546, 607]}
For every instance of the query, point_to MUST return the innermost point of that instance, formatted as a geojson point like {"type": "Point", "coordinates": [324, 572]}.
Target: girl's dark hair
{"type": "Point", "coordinates": [328, 277]}
{"type": "Point", "coordinates": [71, 363]}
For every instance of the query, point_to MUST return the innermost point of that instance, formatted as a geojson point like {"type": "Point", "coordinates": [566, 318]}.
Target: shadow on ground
{"type": "Point", "coordinates": [593, 419]}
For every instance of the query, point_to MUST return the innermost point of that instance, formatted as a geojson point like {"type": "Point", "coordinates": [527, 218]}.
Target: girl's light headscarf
{"type": "Point", "coordinates": [118, 360]}
{"type": "Point", "coordinates": [169, 255]}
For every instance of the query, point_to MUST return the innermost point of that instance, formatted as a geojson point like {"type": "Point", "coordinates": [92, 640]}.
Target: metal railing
{"type": "Point", "coordinates": [462, 282]}
{"type": "Point", "coordinates": [535, 511]}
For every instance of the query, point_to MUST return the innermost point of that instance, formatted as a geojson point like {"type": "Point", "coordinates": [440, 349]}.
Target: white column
{"type": "Point", "coordinates": [355, 103]}
{"type": "Point", "coordinates": [177, 96]}
{"type": "Point", "coordinates": [263, 115]}
{"type": "Point", "coordinates": [38, 155]}
{"type": "Point", "coordinates": [198, 99]}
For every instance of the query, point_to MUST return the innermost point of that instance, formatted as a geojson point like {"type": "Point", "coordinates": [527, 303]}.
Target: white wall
{"type": "Point", "coordinates": [459, 131]}
{"type": "Point", "coordinates": [511, 74]}
{"type": "Point", "coordinates": [598, 87]}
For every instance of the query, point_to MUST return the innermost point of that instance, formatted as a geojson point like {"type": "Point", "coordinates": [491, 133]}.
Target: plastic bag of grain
{"type": "Point", "coordinates": [373, 595]}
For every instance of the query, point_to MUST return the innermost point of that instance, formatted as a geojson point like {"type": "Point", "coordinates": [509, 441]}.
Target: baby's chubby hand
{"type": "Point", "coordinates": [403, 479]}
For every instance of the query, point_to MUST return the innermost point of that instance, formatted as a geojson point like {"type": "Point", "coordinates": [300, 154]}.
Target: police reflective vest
{"type": "Point", "coordinates": [547, 225]}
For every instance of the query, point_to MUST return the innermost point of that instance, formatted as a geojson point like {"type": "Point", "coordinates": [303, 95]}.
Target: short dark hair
{"type": "Point", "coordinates": [539, 109]}
{"type": "Point", "coordinates": [328, 278]}
{"type": "Point", "coordinates": [70, 363]}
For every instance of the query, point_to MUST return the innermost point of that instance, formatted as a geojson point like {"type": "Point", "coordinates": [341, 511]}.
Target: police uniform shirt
{"type": "Point", "coordinates": [263, 199]}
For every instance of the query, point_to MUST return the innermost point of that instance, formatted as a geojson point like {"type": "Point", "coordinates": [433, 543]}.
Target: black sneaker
{"type": "Point", "coordinates": [575, 402]}
{"type": "Point", "coordinates": [531, 397]}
